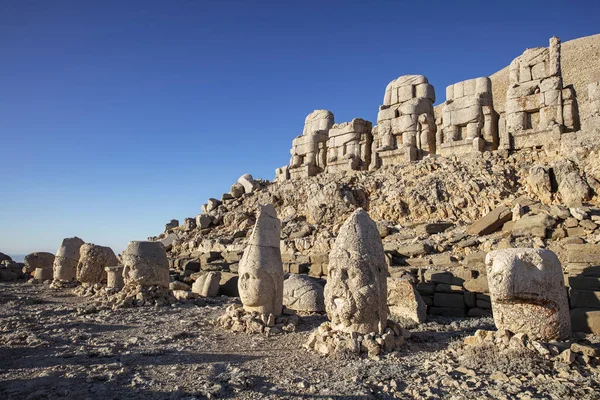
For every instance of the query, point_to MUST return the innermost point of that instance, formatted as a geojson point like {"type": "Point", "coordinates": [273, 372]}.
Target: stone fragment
{"type": "Point", "coordinates": [189, 224]}
{"type": "Point", "coordinates": [528, 293]}
{"type": "Point", "coordinates": [169, 240]}
{"type": "Point", "coordinates": [533, 225]}
{"type": "Point", "coordinates": [405, 304]}
{"type": "Point", "coordinates": [356, 289]}
{"type": "Point", "coordinates": [146, 264]}
{"type": "Point", "coordinates": [207, 284]}
{"type": "Point", "coordinates": [261, 269]}
{"type": "Point", "coordinates": [114, 277]}
{"type": "Point", "coordinates": [491, 222]}
{"type": "Point", "coordinates": [92, 263]}
{"type": "Point", "coordinates": [39, 260]}
{"type": "Point", "coordinates": [237, 190]}
{"type": "Point", "coordinates": [247, 181]}
{"type": "Point", "coordinates": [203, 221]}
{"type": "Point", "coordinates": [172, 224]}
{"type": "Point", "coordinates": [66, 260]}
{"type": "Point", "coordinates": [302, 293]}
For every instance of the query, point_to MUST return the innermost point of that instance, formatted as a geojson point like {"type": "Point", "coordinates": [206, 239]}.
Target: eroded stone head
{"type": "Point", "coordinates": [356, 289]}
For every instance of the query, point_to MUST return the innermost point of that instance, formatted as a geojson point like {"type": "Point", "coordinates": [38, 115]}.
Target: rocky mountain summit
{"type": "Point", "coordinates": [442, 252]}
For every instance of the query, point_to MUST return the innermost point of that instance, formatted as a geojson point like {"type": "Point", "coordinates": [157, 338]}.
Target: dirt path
{"type": "Point", "coordinates": [55, 345]}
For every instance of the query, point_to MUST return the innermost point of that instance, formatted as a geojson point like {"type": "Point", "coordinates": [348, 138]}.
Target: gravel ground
{"type": "Point", "coordinates": [56, 345]}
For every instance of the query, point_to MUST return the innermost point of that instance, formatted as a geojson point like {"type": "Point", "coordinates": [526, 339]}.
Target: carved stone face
{"type": "Point", "coordinates": [256, 289]}
{"type": "Point", "coordinates": [356, 289]}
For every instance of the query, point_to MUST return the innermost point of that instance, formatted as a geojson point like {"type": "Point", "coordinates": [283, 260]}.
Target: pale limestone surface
{"type": "Point", "coordinates": [538, 108]}
{"type": "Point", "coordinates": [309, 150]}
{"type": "Point", "coordinates": [207, 284]}
{"type": "Point", "coordinates": [468, 122]}
{"type": "Point", "coordinates": [405, 304]}
{"type": "Point", "coordinates": [303, 293]}
{"type": "Point", "coordinates": [247, 181]}
{"type": "Point", "coordinates": [66, 260]}
{"type": "Point", "coordinates": [38, 260]}
{"type": "Point", "coordinates": [114, 277]}
{"type": "Point", "coordinates": [349, 146]}
{"type": "Point", "coordinates": [405, 124]}
{"type": "Point", "coordinates": [261, 269]}
{"type": "Point", "coordinates": [528, 293]}
{"type": "Point", "coordinates": [356, 289]}
{"type": "Point", "coordinates": [146, 264]}
{"type": "Point", "coordinates": [93, 260]}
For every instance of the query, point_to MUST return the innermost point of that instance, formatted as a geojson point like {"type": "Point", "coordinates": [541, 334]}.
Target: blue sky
{"type": "Point", "coordinates": [116, 116]}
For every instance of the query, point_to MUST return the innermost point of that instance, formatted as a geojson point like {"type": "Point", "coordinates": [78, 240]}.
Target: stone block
{"type": "Point", "coordinates": [584, 298]}
{"type": "Point", "coordinates": [445, 288]}
{"type": "Point", "coordinates": [447, 311]}
{"type": "Point", "coordinates": [426, 288]}
{"type": "Point", "coordinates": [583, 253]}
{"type": "Point", "coordinates": [470, 299]}
{"type": "Point", "coordinates": [477, 285]}
{"type": "Point", "coordinates": [449, 300]}
{"type": "Point", "coordinates": [413, 250]}
{"type": "Point", "coordinates": [228, 285]}
{"type": "Point", "coordinates": [584, 282]}
{"type": "Point", "coordinates": [476, 312]}
{"type": "Point", "coordinates": [433, 228]}
{"type": "Point", "coordinates": [533, 225]}
{"type": "Point", "coordinates": [491, 222]}
{"type": "Point", "coordinates": [585, 320]}
{"type": "Point", "coordinates": [484, 304]}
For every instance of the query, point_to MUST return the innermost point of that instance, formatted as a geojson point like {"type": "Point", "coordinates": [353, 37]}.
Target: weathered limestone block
{"type": "Point", "coordinates": [261, 269]}
{"type": "Point", "coordinates": [169, 240]}
{"type": "Point", "coordinates": [146, 264]}
{"type": "Point", "coordinates": [309, 150]}
{"type": "Point", "coordinates": [248, 182]}
{"type": "Point", "coordinates": [66, 260]}
{"type": "Point", "coordinates": [469, 122]}
{"type": "Point", "coordinates": [538, 225]}
{"type": "Point", "coordinates": [528, 293]}
{"type": "Point", "coordinates": [38, 260]}
{"type": "Point", "coordinates": [540, 184]}
{"type": "Point", "coordinates": [189, 224]}
{"type": "Point", "coordinates": [356, 289]}
{"type": "Point", "coordinates": [171, 225]}
{"type": "Point", "coordinates": [405, 304]}
{"type": "Point", "coordinates": [406, 127]}
{"type": "Point", "coordinates": [349, 146]}
{"type": "Point", "coordinates": [491, 222]}
{"type": "Point", "coordinates": [237, 190]}
{"type": "Point", "coordinates": [590, 108]}
{"type": "Point", "coordinates": [207, 284]}
{"type": "Point", "coordinates": [302, 293]}
{"type": "Point", "coordinates": [42, 274]}
{"type": "Point", "coordinates": [92, 261]}
{"type": "Point", "coordinates": [114, 277]}
{"type": "Point", "coordinates": [536, 102]}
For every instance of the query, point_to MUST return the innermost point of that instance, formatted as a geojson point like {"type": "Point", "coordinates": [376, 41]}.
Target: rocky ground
{"type": "Point", "coordinates": [54, 344]}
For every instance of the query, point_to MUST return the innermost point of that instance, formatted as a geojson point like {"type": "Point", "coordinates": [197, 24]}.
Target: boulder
{"type": "Point", "coordinates": [66, 260]}
{"type": "Point", "coordinates": [491, 222]}
{"type": "Point", "coordinates": [247, 181]}
{"type": "Point", "coordinates": [93, 260]}
{"type": "Point", "coordinates": [171, 225]}
{"type": "Point", "coordinates": [237, 190]}
{"type": "Point", "coordinates": [114, 277]}
{"type": "Point", "coordinates": [528, 294]}
{"type": "Point", "coordinates": [169, 240]}
{"type": "Point", "coordinates": [405, 304]}
{"type": "Point", "coordinates": [207, 284]}
{"type": "Point", "coordinates": [38, 260]}
{"type": "Point", "coordinates": [146, 264]}
{"type": "Point", "coordinates": [203, 221]}
{"type": "Point", "coordinates": [303, 293]}
{"type": "Point", "coordinates": [4, 257]}
{"type": "Point", "coordinates": [189, 224]}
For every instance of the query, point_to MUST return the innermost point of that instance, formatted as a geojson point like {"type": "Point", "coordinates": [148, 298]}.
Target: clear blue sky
{"type": "Point", "coordinates": [116, 116]}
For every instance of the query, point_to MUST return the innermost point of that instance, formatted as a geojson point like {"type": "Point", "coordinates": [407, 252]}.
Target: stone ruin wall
{"type": "Point", "coordinates": [536, 111]}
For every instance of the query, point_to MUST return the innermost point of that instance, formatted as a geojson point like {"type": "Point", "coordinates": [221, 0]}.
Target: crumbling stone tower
{"type": "Point", "coordinates": [309, 149]}
{"type": "Point", "coordinates": [405, 124]}
{"type": "Point", "coordinates": [349, 146]}
{"type": "Point", "coordinates": [468, 122]}
{"type": "Point", "coordinates": [538, 108]}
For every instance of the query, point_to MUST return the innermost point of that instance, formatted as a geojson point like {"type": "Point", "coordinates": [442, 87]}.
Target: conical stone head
{"type": "Point", "coordinates": [356, 289]}
{"type": "Point", "coordinates": [261, 268]}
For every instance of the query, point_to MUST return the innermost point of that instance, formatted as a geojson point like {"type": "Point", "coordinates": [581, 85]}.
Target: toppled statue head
{"type": "Point", "coordinates": [261, 269]}
{"type": "Point", "coordinates": [356, 289]}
